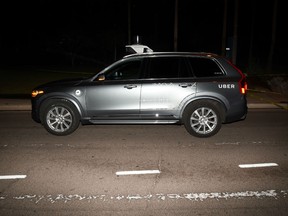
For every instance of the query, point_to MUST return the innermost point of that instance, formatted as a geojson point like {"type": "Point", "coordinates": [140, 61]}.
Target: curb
{"type": "Point", "coordinates": [15, 105]}
{"type": "Point", "coordinates": [267, 106]}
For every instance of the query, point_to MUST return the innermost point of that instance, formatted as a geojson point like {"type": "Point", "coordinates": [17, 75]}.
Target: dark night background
{"type": "Point", "coordinates": [91, 33]}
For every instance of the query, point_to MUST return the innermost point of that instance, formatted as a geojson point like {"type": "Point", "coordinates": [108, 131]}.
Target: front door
{"type": "Point", "coordinates": [118, 95]}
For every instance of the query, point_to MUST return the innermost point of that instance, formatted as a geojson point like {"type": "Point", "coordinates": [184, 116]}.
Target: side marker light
{"type": "Point", "coordinates": [36, 92]}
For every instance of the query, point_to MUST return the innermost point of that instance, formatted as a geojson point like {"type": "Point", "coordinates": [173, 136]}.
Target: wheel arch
{"type": "Point", "coordinates": [63, 98]}
{"type": "Point", "coordinates": [218, 103]}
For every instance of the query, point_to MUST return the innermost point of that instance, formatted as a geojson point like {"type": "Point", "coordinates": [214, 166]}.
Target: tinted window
{"type": "Point", "coordinates": [124, 71]}
{"type": "Point", "coordinates": [203, 67]}
{"type": "Point", "coordinates": [168, 67]}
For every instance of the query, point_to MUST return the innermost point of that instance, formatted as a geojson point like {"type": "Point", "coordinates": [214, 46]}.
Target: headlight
{"type": "Point", "coordinates": [36, 92]}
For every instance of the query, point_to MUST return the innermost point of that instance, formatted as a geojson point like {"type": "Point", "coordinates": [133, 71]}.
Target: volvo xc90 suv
{"type": "Point", "coordinates": [199, 90]}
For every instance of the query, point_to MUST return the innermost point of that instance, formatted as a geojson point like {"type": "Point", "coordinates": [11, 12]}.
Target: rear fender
{"type": "Point", "coordinates": [221, 106]}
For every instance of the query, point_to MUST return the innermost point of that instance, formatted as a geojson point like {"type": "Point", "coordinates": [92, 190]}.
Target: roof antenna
{"type": "Point", "coordinates": [137, 39]}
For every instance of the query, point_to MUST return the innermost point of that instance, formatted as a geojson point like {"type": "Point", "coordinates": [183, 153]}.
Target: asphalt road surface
{"type": "Point", "coordinates": [80, 174]}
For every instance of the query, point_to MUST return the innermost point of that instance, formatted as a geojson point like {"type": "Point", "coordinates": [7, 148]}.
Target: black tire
{"type": "Point", "coordinates": [202, 119]}
{"type": "Point", "coordinates": [59, 117]}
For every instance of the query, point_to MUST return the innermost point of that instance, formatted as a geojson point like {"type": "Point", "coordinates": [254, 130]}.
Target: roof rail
{"type": "Point", "coordinates": [138, 48]}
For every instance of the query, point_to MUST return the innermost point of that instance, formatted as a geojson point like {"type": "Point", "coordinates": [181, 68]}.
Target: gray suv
{"type": "Point", "coordinates": [199, 90]}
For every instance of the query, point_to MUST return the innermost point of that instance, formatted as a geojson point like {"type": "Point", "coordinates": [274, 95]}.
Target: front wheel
{"type": "Point", "coordinates": [202, 119]}
{"type": "Point", "coordinates": [60, 118]}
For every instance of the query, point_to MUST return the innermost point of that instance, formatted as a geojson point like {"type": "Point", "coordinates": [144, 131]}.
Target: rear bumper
{"type": "Point", "coordinates": [237, 112]}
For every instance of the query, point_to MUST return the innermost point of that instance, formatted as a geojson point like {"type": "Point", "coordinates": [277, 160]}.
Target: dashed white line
{"type": "Point", "coordinates": [258, 165]}
{"type": "Point", "coordinates": [7, 177]}
{"type": "Point", "coordinates": [137, 172]}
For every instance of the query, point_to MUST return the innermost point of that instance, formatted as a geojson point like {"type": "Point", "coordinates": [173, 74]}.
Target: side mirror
{"type": "Point", "coordinates": [101, 77]}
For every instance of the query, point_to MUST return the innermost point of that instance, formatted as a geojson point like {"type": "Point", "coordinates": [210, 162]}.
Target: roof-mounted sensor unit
{"type": "Point", "coordinates": [138, 48]}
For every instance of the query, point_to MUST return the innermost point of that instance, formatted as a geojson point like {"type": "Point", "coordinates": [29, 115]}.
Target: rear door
{"type": "Point", "coordinates": [168, 84]}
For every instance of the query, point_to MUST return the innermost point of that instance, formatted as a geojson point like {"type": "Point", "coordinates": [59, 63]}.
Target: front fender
{"type": "Point", "coordinates": [62, 96]}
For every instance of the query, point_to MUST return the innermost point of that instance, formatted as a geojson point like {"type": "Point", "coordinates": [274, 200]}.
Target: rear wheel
{"type": "Point", "coordinates": [60, 117]}
{"type": "Point", "coordinates": [202, 119]}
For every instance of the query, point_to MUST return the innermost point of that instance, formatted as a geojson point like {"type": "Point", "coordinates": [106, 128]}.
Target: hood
{"type": "Point", "coordinates": [64, 82]}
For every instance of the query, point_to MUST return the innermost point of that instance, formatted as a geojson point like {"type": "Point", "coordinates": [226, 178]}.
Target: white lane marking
{"type": "Point", "coordinates": [137, 172]}
{"type": "Point", "coordinates": [7, 177]}
{"type": "Point", "coordinates": [228, 143]}
{"type": "Point", "coordinates": [258, 165]}
{"type": "Point", "coordinates": [193, 197]}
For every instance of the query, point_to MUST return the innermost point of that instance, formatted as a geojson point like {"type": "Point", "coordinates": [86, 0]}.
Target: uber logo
{"type": "Point", "coordinates": [226, 86]}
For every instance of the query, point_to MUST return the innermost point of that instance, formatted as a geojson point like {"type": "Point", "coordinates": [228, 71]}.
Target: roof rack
{"type": "Point", "coordinates": [138, 48]}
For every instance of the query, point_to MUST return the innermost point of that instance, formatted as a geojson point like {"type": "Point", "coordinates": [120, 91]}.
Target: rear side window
{"type": "Point", "coordinates": [168, 67]}
{"type": "Point", "coordinates": [204, 67]}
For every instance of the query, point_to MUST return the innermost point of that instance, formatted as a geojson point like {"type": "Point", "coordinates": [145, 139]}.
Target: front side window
{"type": "Point", "coordinates": [204, 67]}
{"type": "Point", "coordinates": [125, 71]}
{"type": "Point", "coordinates": [168, 67]}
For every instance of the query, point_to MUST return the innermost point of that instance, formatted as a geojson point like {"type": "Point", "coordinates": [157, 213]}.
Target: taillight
{"type": "Point", "coordinates": [243, 86]}
{"type": "Point", "coordinates": [242, 83]}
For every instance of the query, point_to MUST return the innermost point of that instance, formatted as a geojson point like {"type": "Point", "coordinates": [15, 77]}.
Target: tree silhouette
{"type": "Point", "coordinates": [273, 36]}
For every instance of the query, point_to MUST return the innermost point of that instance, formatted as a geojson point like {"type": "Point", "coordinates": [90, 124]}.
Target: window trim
{"type": "Point", "coordinates": [210, 59]}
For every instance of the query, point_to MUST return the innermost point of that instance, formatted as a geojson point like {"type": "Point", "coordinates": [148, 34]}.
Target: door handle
{"type": "Point", "coordinates": [185, 85]}
{"type": "Point", "coordinates": [130, 86]}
